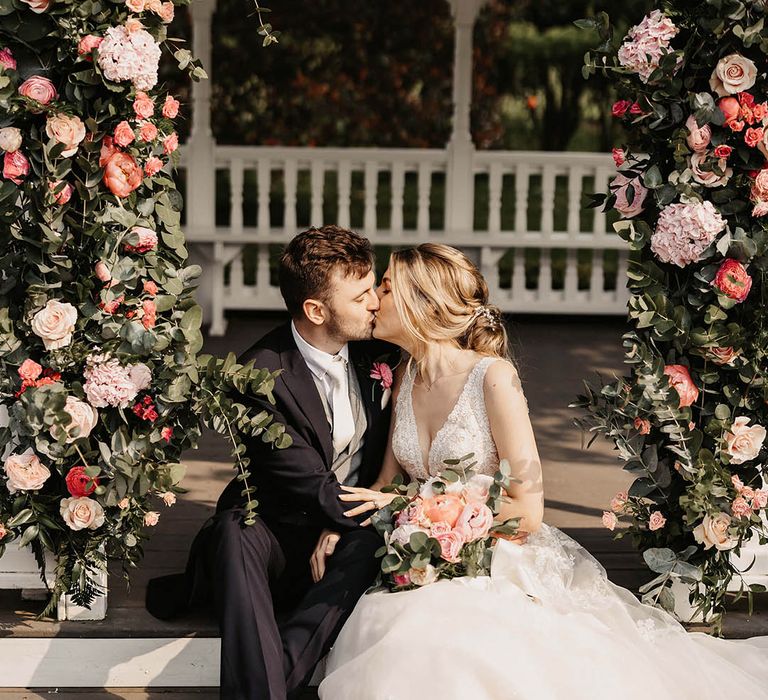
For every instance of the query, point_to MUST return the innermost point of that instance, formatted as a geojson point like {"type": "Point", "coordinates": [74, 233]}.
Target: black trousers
{"type": "Point", "coordinates": [275, 623]}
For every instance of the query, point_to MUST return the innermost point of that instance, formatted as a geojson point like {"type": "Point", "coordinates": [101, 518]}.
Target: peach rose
{"type": "Point", "coordinates": [170, 107]}
{"type": "Point", "coordinates": [133, 25]}
{"type": "Point", "coordinates": [738, 484]}
{"type": "Point", "coordinates": [170, 143]}
{"type": "Point", "coordinates": [147, 240]}
{"type": "Point", "coordinates": [30, 370]}
{"type": "Point", "coordinates": [153, 5]}
{"type": "Point", "coordinates": [760, 186]}
{"type": "Point", "coordinates": [143, 105]}
{"type": "Point", "coordinates": [123, 134]}
{"type": "Point", "coordinates": [168, 497]}
{"type": "Point", "coordinates": [124, 503]}
{"type": "Point", "coordinates": [423, 577]}
{"type": "Point", "coordinates": [620, 186]}
{"type": "Point", "coordinates": [38, 6]}
{"type": "Point", "coordinates": [148, 132]}
{"type": "Point", "coordinates": [475, 522]}
{"type": "Point", "coordinates": [723, 356]}
{"type": "Point", "coordinates": [25, 472]}
{"type": "Point", "coordinates": [619, 501]}
{"type": "Point", "coordinates": [87, 44]}
{"type": "Point", "coordinates": [54, 323]}
{"type": "Point", "coordinates": [149, 318]}
{"type": "Point", "coordinates": [450, 546]}
{"type": "Point", "coordinates": [642, 425]}
{"type": "Point", "coordinates": [733, 280]}
{"type": "Point", "coordinates": [680, 380]}
{"type": "Point", "coordinates": [10, 139]}
{"type": "Point", "coordinates": [709, 178]}
{"type": "Point", "coordinates": [82, 513]}
{"type": "Point", "coordinates": [150, 288]}
{"type": "Point", "coordinates": [610, 520]}
{"type": "Point", "coordinates": [153, 166]}
{"type": "Point", "coordinates": [753, 136]}
{"type": "Point", "coordinates": [151, 518]}
{"type": "Point", "coordinates": [445, 508]}
{"type": "Point", "coordinates": [166, 12]}
{"type": "Point", "coordinates": [760, 499]}
{"type": "Point", "coordinates": [748, 493]}
{"type": "Point", "coordinates": [698, 137]}
{"type": "Point", "coordinates": [39, 89]}
{"type": "Point", "coordinates": [730, 108]}
{"type": "Point", "coordinates": [135, 5]}
{"type": "Point", "coordinates": [15, 166]}
{"type": "Point", "coordinates": [713, 532]}
{"type": "Point", "coordinates": [83, 419]}
{"type": "Point", "coordinates": [65, 129]}
{"type": "Point", "coordinates": [61, 195]}
{"type": "Point", "coordinates": [122, 174]}
{"type": "Point", "coordinates": [740, 508]}
{"type": "Point", "coordinates": [744, 441]}
{"type": "Point", "coordinates": [656, 521]}
{"type": "Point", "coordinates": [732, 74]}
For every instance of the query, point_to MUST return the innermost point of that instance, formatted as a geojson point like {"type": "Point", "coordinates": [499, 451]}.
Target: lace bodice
{"type": "Point", "coordinates": [466, 429]}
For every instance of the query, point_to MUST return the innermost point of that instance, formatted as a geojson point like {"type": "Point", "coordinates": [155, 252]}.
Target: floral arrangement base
{"type": "Point", "coordinates": [684, 611]}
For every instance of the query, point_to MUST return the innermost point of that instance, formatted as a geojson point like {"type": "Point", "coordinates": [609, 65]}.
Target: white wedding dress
{"type": "Point", "coordinates": [545, 625]}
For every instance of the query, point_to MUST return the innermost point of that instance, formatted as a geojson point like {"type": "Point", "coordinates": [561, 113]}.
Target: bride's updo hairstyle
{"type": "Point", "coordinates": [439, 294]}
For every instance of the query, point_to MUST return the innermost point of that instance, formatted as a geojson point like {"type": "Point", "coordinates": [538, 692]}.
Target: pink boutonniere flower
{"type": "Point", "coordinates": [383, 373]}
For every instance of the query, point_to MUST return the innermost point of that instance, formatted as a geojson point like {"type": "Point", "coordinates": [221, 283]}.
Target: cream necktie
{"type": "Point", "coordinates": [343, 422]}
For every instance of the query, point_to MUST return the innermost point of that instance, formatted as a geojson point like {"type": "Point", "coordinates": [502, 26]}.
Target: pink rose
{"type": "Point", "coordinates": [723, 356]}
{"type": "Point", "coordinates": [753, 136]}
{"type": "Point", "coordinates": [760, 499]}
{"type": "Point", "coordinates": [166, 433]}
{"type": "Point", "coordinates": [399, 579]}
{"type": "Point", "coordinates": [87, 44]}
{"type": "Point", "coordinates": [760, 209]}
{"type": "Point", "coordinates": [133, 26]}
{"type": "Point", "coordinates": [122, 174]}
{"type": "Point", "coordinates": [439, 528]}
{"type": "Point", "coordinates": [620, 108]}
{"type": "Point", "coordinates": [709, 178]}
{"type": "Point", "coordinates": [67, 130]}
{"type": "Point", "coordinates": [748, 493]}
{"type": "Point", "coordinates": [737, 483]}
{"type": "Point", "coordinates": [148, 132]}
{"type": "Point", "coordinates": [82, 513]}
{"type": "Point", "coordinates": [143, 105]}
{"type": "Point", "coordinates": [656, 521]}
{"type": "Point", "coordinates": [733, 280]}
{"type": "Point", "coordinates": [730, 108]}
{"type": "Point", "coordinates": [61, 195]}
{"type": "Point", "coordinates": [475, 522]}
{"type": "Point", "coordinates": [412, 514]}
{"type": "Point", "coordinates": [166, 12]}
{"type": "Point", "coordinates": [732, 74]}
{"type": "Point", "coordinates": [102, 272]}
{"type": "Point", "coordinates": [153, 166]}
{"type": "Point", "coordinates": [680, 380]}
{"type": "Point", "coordinates": [124, 503]}
{"type": "Point", "coordinates": [39, 89]}
{"type": "Point", "coordinates": [642, 425]}
{"type": "Point", "coordinates": [3, 531]}
{"type": "Point", "coordinates": [30, 370]}
{"type": "Point", "coordinates": [698, 137]}
{"type": "Point", "coordinates": [147, 240]}
{"type": "Point", "coordinates": [170, 143]}
{"type": "Point", "coordinates": [151, 518]}
{"type": "Point", "coordinates": [82, 420]}
{"type": "Point", "coordinates": [15, 166]}
{"type": "Point", "coordinates": [740, 508]}
{"type": "Point", "coordinates": [723, 151]}
{"type": "Point", "coordinates": [38, 6]}
{"type": "Point", "coordinates": [610, 520]}
{"type": "Point", "coordinates": [713, 532]}
{"type": "Point", "coordinates": [149, 318]}
{"type": "Point", "coordinates": [25, 472]}
{"type": "Point", "coordinates": [123, 134]}
{"type": "Point", "coordinates": [135, 5]}
{"type": "Point", "coordinates": [150, 288]}
{"type": "Point", "coordinates": [450, 546]}
{"type": "Point", "coordinates": [168, 497]}
{"type": "Point", "coordinates": [170, 107]}
{"type": "Point", "coordinates": [618, 156]}
{"type": "Point", "coordinates": [382, 372]}
{"type": "Point", "coordinates": [744, 441]}
{"type": "Point", "coordinates": [619, 501]}
{"type": "Point", "coordinates": [445, 508]}
{"type": "Point", "coordinates": [620, 186]}
{"type": "Point", "coordinates": [7, 60]}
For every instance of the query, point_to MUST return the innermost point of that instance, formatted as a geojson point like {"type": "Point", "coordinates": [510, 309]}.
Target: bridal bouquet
{"type": "Point", "coordinates": [444, 527]}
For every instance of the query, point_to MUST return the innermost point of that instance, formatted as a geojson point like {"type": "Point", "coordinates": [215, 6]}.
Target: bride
{"type": "Point", "coordinates": [546, 624]}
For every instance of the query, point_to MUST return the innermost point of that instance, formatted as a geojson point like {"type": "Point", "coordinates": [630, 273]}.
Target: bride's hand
{"type": "Point", "coordinates": [372, 500]}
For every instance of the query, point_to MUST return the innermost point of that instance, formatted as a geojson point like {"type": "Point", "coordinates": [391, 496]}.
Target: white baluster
{"type": "Point", "coordinates": [622, 293]}
{"type": "Point", "coordinates": [316, 188]}
{"type": "Point", "coordinates": [522, 182]}
{"type": "Point", "coordinates": [494, 198]}
{"type": "Point", "coordinates": [575, 181]}
{"type": "Point", "coordinates": [601, 185]}
{"type": "Point", "coordinates": [263, 176]}
{"type": "Point", "coordinates": [544, 285]}
{"type": "Point", "coordinates": [236, 278]}
{"type": "Point", "coordinates": [571, 283]}
{"type": "Point", "coordinates": [345, 188]}
{"type": "Point", "coordinates": [547, 201]}
{"type": "Point", "coordinates": [519, 292]}
{"type": "Point", "coordinates": [398, 190]}
{"type": "Point", "coordinates": [489, 267]}
{"type": "Point", "coordinates": [290, 179]}
{"type": "Point", "coordinates": [424, 186]}
{"type": "Point", "coordinates": [216, 270]}
{"type": "Point", "coordinates": [236, 196]}
{"type": "Point", "coordinates": [597, 281]}
{"type": "Point", "coordinates": [262, 271]}
{"type": "Point", "coordinates": [371, 186]}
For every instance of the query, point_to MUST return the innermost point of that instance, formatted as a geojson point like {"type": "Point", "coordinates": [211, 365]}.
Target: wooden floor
{"type": "Point", "coordinates": [553, 355]}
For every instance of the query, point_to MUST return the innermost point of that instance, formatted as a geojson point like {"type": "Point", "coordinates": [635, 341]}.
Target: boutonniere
{"type": "Point", "coordinates": [382, 372]}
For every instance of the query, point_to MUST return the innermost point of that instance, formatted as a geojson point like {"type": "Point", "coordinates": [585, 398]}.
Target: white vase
{"type": "Point", "coordinates": [684, 611]}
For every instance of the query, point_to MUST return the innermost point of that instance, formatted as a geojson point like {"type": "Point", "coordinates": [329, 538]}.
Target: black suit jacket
{"type": "Point", "coordinates": [295, 485]}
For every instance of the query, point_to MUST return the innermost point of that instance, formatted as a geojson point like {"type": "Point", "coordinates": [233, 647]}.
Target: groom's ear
{"type": "Point", "coordinates": [315, 311]}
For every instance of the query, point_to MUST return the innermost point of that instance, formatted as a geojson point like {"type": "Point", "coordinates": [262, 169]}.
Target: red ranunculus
{"type": "Point", "coordinates": [733, 280]}
{"type": "Point", "coordinates": [79, 484]}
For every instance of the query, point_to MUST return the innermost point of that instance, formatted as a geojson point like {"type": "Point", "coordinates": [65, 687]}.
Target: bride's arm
{"type": "Point", "coordinates": [513, 434]}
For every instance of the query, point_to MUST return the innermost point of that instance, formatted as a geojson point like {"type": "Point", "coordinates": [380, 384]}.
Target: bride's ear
{"type": "Point", "coordinates": [315, 311]}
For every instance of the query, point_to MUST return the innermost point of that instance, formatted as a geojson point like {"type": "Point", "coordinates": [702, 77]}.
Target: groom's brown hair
{"type": "Point", "coordinates": [310, 259]}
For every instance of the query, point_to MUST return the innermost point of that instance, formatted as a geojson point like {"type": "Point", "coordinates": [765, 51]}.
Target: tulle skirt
{"type": "Point", "coordinates": [547, 624]}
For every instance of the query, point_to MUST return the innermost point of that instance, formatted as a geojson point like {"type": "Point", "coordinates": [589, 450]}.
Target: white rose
{"type": "Point", "coordinates": [54, 324]}
{"type": "Point", "coordinates": [10, 139]}
{"type": "Point", "coordinates": [709, 178]}
{"type": "Point", "coordinates": [713, 532]}
{"type": "Point", "coordinates": [402, 534]}
{"type": "Point", "coordinates": [744, 442]}
{"type": "Point", "coordinates": [66, 129]}
{"type": "Point", "coordinates": [83, 416]}
{"type": "Point", "coordinates": [423, 577]}
{"type": "Point", "coordinates": [733, 74]}
{"type": "Point", "coordinates": [140, 375]}
{"type": "Point", "coordinates": [81, 513]}
{"type": "Point", "coordinates": [25, 472]}
{"type": "Point", "coordinates": [426, 490]}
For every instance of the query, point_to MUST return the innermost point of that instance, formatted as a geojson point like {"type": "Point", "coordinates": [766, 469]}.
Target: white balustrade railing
{"type": "Point", "coordinates": [540, 249]}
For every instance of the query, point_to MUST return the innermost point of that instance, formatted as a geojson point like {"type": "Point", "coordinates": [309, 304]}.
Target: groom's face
{"type": "Point", "coordinates": [352, 305]}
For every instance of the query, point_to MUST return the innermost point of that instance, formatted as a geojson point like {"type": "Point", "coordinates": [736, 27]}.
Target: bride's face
{"type": "Point", "coordinates": [388, 326]}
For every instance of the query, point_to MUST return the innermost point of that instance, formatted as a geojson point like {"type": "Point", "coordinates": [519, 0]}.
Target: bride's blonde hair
{"type": "Point", "coordinates": [439, 294]}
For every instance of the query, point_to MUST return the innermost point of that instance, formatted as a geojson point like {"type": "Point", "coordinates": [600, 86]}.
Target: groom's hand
{"type": "Point", "coordinates": [324, 548]}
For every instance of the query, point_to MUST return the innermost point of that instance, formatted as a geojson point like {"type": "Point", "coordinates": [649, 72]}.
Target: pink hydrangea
{"type": "Point", "coordinates": [684, 231]}
{"type": "Point", "coordinates": [108, 383]}
{"type": "Point", "coordinates": [133, 56]}
{"type": "Point", "coordinates": [647, 43]}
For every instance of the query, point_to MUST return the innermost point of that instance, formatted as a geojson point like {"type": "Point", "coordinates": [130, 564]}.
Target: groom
{"type": "Point", "coordinates": [278, 615]}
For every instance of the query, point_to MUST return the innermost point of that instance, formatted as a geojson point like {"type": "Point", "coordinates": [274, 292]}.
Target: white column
{"type": "Point", "coordinates": [460, 181]}
{"type": "Point", "coordinates": [200, 165]}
